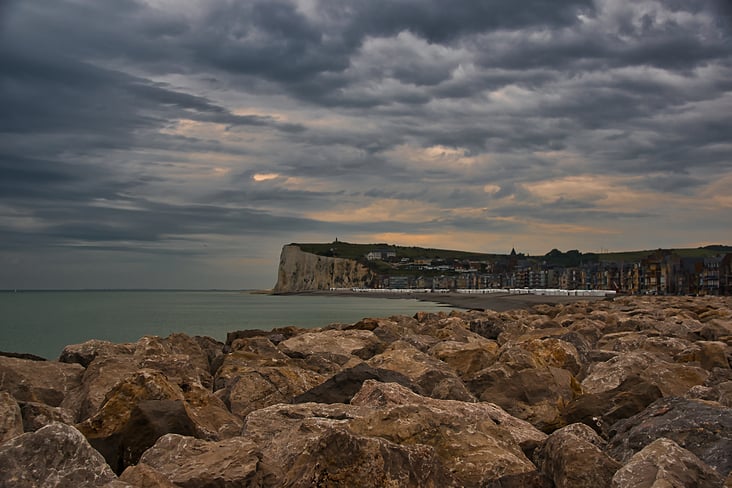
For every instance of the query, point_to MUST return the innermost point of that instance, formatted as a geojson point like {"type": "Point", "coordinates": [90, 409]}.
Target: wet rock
{"type": "Point", "coordinates": [37, 415]}
{"type": "Point", "coordinates": [46, 382]}
{"type": "Point", "coordinates": [703, 428]}
{"type": "Point", "coordinates": [11, 420]}
{"type": "Point", "coordinates": [55, 455]}
{"type": "Point", "coordinates": [342, 386]}
{"type": "Point", "coordinates": [572, 457]}
{"type": "Point", "coordinates": [434, 377]}
{"type": "Point", "coordinates": [602, 410]}
{"type": "Point", "coordinates": [665, 463]}
{"type": "Point", "coordinates": [191, 462]}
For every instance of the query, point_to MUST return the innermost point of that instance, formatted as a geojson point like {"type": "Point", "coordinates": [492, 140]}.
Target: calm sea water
{"type": "Point", "coordinates": [42, 323]}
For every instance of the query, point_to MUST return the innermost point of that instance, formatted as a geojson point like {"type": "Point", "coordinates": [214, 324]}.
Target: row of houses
{"type": "Point", "coordinates": [660, 273]}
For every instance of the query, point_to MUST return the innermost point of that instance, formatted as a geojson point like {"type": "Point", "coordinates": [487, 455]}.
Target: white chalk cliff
{"type": "Point", "coordinates": [301, 271]}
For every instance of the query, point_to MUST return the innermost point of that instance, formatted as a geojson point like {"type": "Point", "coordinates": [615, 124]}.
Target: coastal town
{"type": "Point", "coordinates": [660, 272]}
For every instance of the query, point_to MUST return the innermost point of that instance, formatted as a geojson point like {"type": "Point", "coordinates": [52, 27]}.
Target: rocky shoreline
{"type": "Point", "coordinates": [630, 392]}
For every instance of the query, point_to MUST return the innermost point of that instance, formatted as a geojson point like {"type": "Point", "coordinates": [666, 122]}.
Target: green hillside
{"type": "Point", "coordinates": [357, 251]}
{"type": "Point", "coordinates": [569, 258]}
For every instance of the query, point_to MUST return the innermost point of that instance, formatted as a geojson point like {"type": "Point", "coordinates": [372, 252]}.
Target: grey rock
{"type": "Point", "coordinates": [704, 428]}
{"type": "Point", "coordinates": [57, 455]}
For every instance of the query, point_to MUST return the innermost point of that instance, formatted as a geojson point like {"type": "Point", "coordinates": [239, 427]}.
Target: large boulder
{"type": "Point", "coordinates": [466, 358]}
{"type": "Point", "coordinates": [37, 415]}
{"type": "Point", "coordinates": [193, 463]}
{"type": "Point", "coordinates": [47, 382]}
{"type": "Point", "coordinates": [665, 463]}
{"type": "Point", "coordinates": [537, 395]}
{"type": "Point", "coordinates": [386, 395]}
{"type": "Point", "coordinates": [57, 455]}
{"type": "Point", "coordinates": [341, 387]}
{"type": "Point", "coordinates": [704, 428]}
{"type": "Point", "coordinates": [572, 456]}
{"type": "Point", "coordinates": [341, 458]}
{"type": "Point", "coordinates": [671, 378]}
{"type": "Point", "coordinates": [337, 345]}
{"type": "Point", "coordinates": [11, 420]}
{"type": "Point", "coordinates": [601, 410]}
{"type": "Point", "coordinates": [251, 385]}
{"type": "Point", "coordinates": [145, 406]}
{"type": "Point", "coordinates": [434, 377]}
{"type": "Point", "coordinates": [180, 358]}
{"type": "Point", "coordinates": [464, 435]}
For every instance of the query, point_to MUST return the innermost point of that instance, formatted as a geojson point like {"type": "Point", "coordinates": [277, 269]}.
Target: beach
{"type": "Point", "coordinates": [499, 302]}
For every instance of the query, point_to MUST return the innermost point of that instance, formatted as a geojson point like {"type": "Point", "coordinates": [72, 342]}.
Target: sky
{"type": "Point", "coordinates": [182, 143]}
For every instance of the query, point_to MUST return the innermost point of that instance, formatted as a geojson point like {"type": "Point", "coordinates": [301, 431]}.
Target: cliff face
{"type": "Point", "coordinates": [301, 271]}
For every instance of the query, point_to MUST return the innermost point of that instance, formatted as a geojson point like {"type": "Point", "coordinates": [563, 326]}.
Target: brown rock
{"type": "Point", "coordinates": [665, 463]}
{"type": "Point", "coordinates": [282, 432]}
{"type": "Point", "coordinates": [338, 345]}
{"type": "Point", "coordinates": [88, 351]}
{"type": "Point", "coordinates": [602, 410]}
{"type": "Point", "coordinates": [466, 358]}
{"type": "Point", "coordinates": [37, 415]}
{"type": "Point", "coordinates": [11, 420]}
{"type": "Point", "coordinates": [179, 357]}
{"type": "Point", "coordinates": [253, 387]}
{"type": "Point", "coordinates": [341, 387]}
{"type": "Point", "coordinates": [145, 476]}
{"type": "Point", "coordinates": [55, 455]}
{"type": "Point", "coordinates": [572, 457]}
{"type": "Point", "coordinates": [340, 458]}
{"type": "Point", "coordinates": [537, 395]}
{"type": "Point", "coordinates": [464, 435]}
{"type": "Point", "coordinates": [38, 381]}
{"type": "Point", "coordinates": [145, 406]}
{"type": "Point", "coordinates": [434, 377]}
{"type": "Point", "coordinates": [385, 395]}
{"type": "Point", "coordinates": [190, 462]}
{"type": "Point", "coordinates": [671, 378]}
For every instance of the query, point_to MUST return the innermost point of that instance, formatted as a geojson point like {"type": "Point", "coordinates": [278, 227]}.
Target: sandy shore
{"type": "Point", "coordinates": [494, 301]}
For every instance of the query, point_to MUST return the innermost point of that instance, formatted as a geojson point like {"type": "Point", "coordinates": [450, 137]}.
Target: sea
{"type": "Point", "coordinates": [44, 322]}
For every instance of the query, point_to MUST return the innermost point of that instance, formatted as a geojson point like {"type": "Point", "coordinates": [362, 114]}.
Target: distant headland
{"type": "Point", "coordinates": [343, 266]}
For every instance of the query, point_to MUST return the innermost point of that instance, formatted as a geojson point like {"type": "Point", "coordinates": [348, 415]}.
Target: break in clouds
{"type": "Point", "coordinates": [180, 144]}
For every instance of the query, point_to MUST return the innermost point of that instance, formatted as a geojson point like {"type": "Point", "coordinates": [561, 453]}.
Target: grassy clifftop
{"type": "Point", "coordinates": [357, 251]}
{"type": "Point", "coordinates": [348, 250]}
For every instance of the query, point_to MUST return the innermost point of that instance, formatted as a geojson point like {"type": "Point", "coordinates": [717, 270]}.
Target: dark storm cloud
{"type": "Point", "coordinates": [159, 126]}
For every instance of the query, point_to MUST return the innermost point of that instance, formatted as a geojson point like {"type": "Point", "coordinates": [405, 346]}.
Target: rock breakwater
{"type": "Point", "coordinates": [636, 391]}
